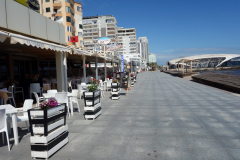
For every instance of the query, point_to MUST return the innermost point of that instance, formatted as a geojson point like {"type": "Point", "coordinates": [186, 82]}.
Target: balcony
{"type": "Point", "coordinates": [57, 3]}
{"type": "Point", "coordinates": [87, 35]}
{"type": "Point", "coordinates": [110, 22]}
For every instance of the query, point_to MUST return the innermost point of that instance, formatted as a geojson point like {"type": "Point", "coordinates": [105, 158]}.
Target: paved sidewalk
{"type": "Point", "coordinates": [163, 117]}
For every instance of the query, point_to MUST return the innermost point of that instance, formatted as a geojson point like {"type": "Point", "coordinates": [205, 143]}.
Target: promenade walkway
{"type": "Point", "coordinates": [163, 117]}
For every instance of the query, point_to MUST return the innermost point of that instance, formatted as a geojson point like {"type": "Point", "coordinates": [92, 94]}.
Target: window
{"type": "Point", "coordinates": [68, 9]}
{"type": "Point", "coordinates": [79, 34]}
{"type": "Point", "coordinates": [68, 19]}
{"type": "Point", "coordinates": [81, 43]}
{"type": "Point", "coordinates": [69, 28]}
{"type": "Point", "coordinates": [79, 17]}
{"type": "Point", "coordinates": [80, 26]}
{"type": "Point", "coordinates": [68, 1]}
{"type": "Point", "coordinates": [79, 9]}
{"type": "Point", "coordinates": [69, 38]}
{"type": "Point", "coordinates": [48, 9]}
{"type": "Point", "coordinates": [47, 0]}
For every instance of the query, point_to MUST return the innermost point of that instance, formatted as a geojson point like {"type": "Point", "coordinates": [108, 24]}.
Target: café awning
{"type": "Point", "coordinates": [81, 52]}
{"type": "Point", "coordinates": [16, 38]}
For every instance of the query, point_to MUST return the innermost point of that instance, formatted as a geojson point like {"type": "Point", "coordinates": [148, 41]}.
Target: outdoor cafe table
{"type": "Point", "coordinates": [12, 110]}
{"type": "Point", "coordinates": [48, 96]}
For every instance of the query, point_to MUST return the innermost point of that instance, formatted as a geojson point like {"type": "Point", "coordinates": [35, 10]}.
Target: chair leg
{"type": "Point", "coordinates": [9, 128]}
{"type": "Point", "coordinates": [14, 102]}
{"type": "Point", "coordinates": [7, 140]}
{"type": "Point", "coordinates": [3, 137]}
{"type": "Point", "coordinates": [78, 107]}
{"type": "Point", "coordinates": [68, 110]}
{"type": "Point", "coordinates": [27, 125]}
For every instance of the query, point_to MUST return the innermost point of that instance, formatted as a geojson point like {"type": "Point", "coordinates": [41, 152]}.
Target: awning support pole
{"type": "Point", "coordinates": [105, 70]}
{"type": "Point", "coordinates": [61, 68]}
{"type": "Point", "coordinates": [84, 68]}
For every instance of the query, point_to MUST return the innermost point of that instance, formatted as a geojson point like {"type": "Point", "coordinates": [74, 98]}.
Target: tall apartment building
{"type": "Point", "coordinates": [96, 27]}
{"type": "Point", "coordinates": [67, 13]}
{"type": "Point", "coordinates": [127, 38]}
{"type": "Point", "coordinates": [142, 49]}
{"type": "Point", "coordinates": [152, 58]}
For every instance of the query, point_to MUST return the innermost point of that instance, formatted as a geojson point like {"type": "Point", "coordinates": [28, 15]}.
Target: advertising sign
{"type": "Point", "coordinates": [122, 63]}
{"type": "Point", "coordinates": [31, 4]}
{"type": "Point", "coordinates": [104, 40]}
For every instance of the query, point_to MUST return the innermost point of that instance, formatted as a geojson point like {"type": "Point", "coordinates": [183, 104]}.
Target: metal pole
{"type": "Point", "coordinates": [112, 66]}
{"type": "Point", "coordinates": [96, 67]}
{"type": "Point", "coordinates": [131, 66]}
{"type": "Point", "coordinates": [84, 68]}
{"type": "Point", "coordinates": [105, 70]}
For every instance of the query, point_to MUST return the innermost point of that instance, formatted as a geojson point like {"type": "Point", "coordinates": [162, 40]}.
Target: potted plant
{"type": "Point", "coordinates": [115, 89]}
{"type": "Point", "coordinates": [47, 110]}
{"type": "Point", "coordinates": [93, 88]}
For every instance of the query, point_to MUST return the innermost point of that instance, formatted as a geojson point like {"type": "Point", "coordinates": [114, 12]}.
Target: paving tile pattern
{"type": "Point", "coordinates": [163, 117]}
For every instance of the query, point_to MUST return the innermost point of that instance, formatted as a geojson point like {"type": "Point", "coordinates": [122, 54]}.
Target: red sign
{"type": "Point", "coordinates": [74, 39]}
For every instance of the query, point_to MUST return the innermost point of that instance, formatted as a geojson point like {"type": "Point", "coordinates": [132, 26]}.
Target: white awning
{"type": "Point", "coordinates": [81, 52]}
{"type": "Point", "coordinates": [16, 38]}
{"type": "Point", "coordinates": [3, 36]}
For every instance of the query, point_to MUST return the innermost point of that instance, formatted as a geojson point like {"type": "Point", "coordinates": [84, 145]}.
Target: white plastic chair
{"type": "Point", "coordinates": [35, 87]}
{"type": "Point", "coordinates": [11, 95]}
{"type": "Point", "coordinates": [3, 126]}
{"type": "Point", "coordinates": [52, 91]}
{"type": "Point", "coordinates": [81, 89]}
{"type": "Point", "coordinates": [28, 104]}
{"type": "Point", "coordinates": [18, 90]}
{"type": "Point", "coordinates": [74, 98]}
{"type": "Point", "coordinates": [70, 85]}
{"type": "Point", "coordinates": [101, 87]}
{"type": "Point", "coordinates": [62, 97]}
{"type": "Point", "coordinates": [38, 99]}
{"type": "Point", "coordinates": [109, 84]}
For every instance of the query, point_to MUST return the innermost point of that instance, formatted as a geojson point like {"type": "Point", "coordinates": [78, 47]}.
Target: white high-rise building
{"type": "Point", "coordinates": [142, 49]}
{"type": "Point", "coordinates": [127, 38]}
{"type": "Point", "coordinates": [96, 27]}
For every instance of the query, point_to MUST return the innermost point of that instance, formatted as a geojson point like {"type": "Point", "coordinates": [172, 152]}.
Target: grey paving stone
{"type": "Point", "coordinates": [202, 123]}
{"type": "Point", "coordinates": [210, 154]}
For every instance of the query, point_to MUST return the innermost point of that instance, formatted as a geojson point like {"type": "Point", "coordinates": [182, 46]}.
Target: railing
{"type": "Point", "coordinates": [57, 2]}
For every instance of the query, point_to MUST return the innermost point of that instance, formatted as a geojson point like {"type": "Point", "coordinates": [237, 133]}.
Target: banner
{"type": "Point", "coordinates": [104, 40]}
{"type": "Point", "coordinates": [31, 4]}
{"type": "Point", "coordinates": [122, 63]}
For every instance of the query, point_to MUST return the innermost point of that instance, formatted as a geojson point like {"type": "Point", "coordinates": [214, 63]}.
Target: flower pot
{"type": "Point", "coordinates": [90, 94]}
{"type": "Point", "coordinates": [50, 112]}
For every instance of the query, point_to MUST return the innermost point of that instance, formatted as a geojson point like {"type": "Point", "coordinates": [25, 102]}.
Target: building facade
{"type": "Point", "coordinates": [127, 38]}
{"type": "Point", "coordinates": [152, 58]}
{"type": "Point", "coordinates": [96, 27]}
{"type": "Point", "coordinates": [67, 13]}
{"type": "Point", "coordinates": [142, 49]}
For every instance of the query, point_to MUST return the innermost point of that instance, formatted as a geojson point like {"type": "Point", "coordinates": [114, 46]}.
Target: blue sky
{"type": "Point", "coordinates": [176, 28]}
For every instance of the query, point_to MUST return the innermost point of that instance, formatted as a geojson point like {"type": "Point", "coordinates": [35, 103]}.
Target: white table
{"type": "Point", "coordinates": [12, 110]}
{"type": "Point", "coordinates": [48, 96]}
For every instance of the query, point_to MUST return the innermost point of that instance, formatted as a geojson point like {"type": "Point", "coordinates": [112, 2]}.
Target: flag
{"type": "Point", "coordinates": [74, 39]}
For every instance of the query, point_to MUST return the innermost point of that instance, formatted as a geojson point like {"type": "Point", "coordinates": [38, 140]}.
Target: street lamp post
{"type": "Point", "coordinates": [96, 67]}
